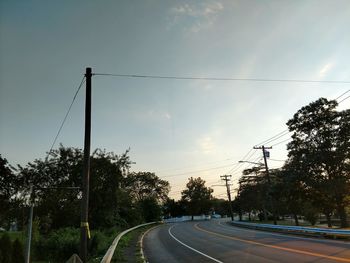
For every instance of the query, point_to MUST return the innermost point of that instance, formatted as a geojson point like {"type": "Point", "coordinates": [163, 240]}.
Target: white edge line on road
{"type": "Point", "coordinates": [195, 250]}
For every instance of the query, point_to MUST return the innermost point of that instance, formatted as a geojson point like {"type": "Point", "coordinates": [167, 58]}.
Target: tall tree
{"type": "Point", "coordinates": [320, 147]}
{"type": "Point", "coordinates": [143, 185]}
{"type": "Point", "coordinates": [197, 196]}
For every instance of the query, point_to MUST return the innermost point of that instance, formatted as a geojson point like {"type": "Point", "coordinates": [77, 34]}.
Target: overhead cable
{"type": "Point", "coordinates": [220, 79]}
{"type": "Point", "coordinates": [65, 117]}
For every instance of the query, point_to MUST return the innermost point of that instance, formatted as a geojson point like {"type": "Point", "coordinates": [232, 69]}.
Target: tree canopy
{"type": "Point", "coordinates": [197, 196]}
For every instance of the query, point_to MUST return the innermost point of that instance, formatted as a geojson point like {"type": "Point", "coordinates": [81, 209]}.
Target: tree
{"type": "Point", "coordinates": [148, 192]}
{"type": "Point", "coordinates": [320, 147]}
{"type": "Point", "coordinates": [58, 206]}
{"type": "Point", "coordinates": [151, 210]}
{"type": "Point", "coordinates": [172, 208]}
{"type": "Point", "coordinates": [290, 191]}
{"type": "Point", "coordinates": [253, 192]}
{"type": "Point", "coordinates": [197, 196]}
{"type": "Point", "coordinates": [8, 188]}
{"type": "Point", "coordinates": [144, 185]}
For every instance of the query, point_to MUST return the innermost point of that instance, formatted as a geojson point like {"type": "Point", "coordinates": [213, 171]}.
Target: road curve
{"type": "Point", "coordinates": [216, 241]}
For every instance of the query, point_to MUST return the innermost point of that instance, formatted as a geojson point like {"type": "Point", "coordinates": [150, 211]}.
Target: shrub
{"type": "Point", "coordinates": [17, 252]}
{"type": "Point", "coordinates": [5, 249]}
{"type": "Point", "coordinates": [59, 245]}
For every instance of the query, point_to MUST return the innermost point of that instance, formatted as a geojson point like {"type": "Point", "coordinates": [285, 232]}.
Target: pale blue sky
{"type": "Point", "coordinates": [169, 124]}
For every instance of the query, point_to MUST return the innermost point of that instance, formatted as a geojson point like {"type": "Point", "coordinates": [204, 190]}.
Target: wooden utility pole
{"type": "Point", "coordinates": [84, 224]}
{"type": "Point", "coordinates": [227, 178]}
{"type": "Point", "coordinates": [269, 182]}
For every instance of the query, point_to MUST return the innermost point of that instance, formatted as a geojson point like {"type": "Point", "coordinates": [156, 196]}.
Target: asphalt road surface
{"type": "Point", "coordinates": [217, 241]}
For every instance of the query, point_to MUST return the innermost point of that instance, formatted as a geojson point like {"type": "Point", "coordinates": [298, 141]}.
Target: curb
{"type": "Point", "coordinates": [141, 243]}
{"type": "Point", "coordinates": [304, 231]}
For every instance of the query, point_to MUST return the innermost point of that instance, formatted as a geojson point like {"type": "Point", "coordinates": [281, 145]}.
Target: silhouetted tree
{"type": "Point", "coordinates": [320, 147]}
{"type": "Point", "coordinates": [142, 185]}
{"type": "Point", "coordinates": [197, 196]}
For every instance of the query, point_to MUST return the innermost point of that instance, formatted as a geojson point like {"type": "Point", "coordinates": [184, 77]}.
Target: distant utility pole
{"type": "Point", "coordinates": [84, 224]}
{"type": "Point", "coordinates": [227, 178]}
{"type": "Point", "coordinates": [30, 224]}
{"type": "Point", "coordinates": [268, 181]}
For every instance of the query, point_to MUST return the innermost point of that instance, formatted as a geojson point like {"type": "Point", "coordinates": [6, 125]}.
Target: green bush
{"type": "Point", "coordinates": [61, 244]}
{"type": "Point", "coordinates": [58, 245]}
{"type": "Point", "coordinates": [17, 252]}
{"type": "Point", "coordinates": [5, 249]}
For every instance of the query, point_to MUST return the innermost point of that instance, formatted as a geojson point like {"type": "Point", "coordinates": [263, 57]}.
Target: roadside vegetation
{"type": "Point", "coordinates": [118, 200]}
{"type": "Point", "coordinates": [314, 181]}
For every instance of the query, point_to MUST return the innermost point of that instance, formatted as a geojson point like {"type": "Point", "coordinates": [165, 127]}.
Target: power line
{"type": "Point", "coordinates": [342, 95]}
{"type": "Point", "coordinates": [190, 167]}
{"type": "Point", "coordinates": [275, 137]}
{"type": "Point", "coordinates": [281, 142]}
{"type": "Point", "coordinates": [220, 79]}
{"type": "Point", "coordinates": [203, 170]}
{"type": "Point", "coordinates": [276, 160]}
{"type": "Point", "coordinates": [65, 117]}
{"type": "Point", "coordinates": [344, 99]}
{"type": "Point", "coordinates": [242, 163]}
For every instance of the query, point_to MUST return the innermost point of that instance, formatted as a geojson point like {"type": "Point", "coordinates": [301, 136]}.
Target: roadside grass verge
{"type": "Point", "coordinates": [128, 249]}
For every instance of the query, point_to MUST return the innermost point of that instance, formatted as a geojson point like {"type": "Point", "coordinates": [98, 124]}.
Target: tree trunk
{"type": "Point", "coordinates": [296, 219]}
{"type": "Point", "coordinates": [329, 221]}
{"type": "Point", "coordinates": [240, 215]}
{"type": "Point", "coordinates": [192, 218]}
{"type": "Point", "coordinates": [250, 219]}
{"type": "Point", "coordinates": [343, 217]}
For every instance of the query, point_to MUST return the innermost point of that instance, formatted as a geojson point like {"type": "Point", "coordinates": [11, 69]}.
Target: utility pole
{"type": "Point", "coordinates": [227, 178]}
{"type": "Point", "coordinates": [30, 225]}
{"type": "Point", "coordinates": [268, 181]}
{"type": "Point", "coordinates": [84, 224]}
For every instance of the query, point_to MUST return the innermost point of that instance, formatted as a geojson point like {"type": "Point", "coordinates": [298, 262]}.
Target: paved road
{"type": "Point", "coordinates": [216, 241]}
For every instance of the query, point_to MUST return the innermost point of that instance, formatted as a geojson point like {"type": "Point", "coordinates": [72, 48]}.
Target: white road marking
{"type": "Point", "coordinates": [195, 250]}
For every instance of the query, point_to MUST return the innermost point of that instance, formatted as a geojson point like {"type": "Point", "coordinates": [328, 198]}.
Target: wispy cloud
{"type": "Point", "coordinates": [325, 69]}
{"type": "Point", "coordinates": [195, 17]}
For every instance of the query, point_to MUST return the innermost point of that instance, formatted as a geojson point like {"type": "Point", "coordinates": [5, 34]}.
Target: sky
{"type": "Point", "coordinates": [175, 128]}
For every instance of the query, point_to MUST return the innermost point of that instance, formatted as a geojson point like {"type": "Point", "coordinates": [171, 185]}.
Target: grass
{"type": "Point", "coordinates": [15, 235]}
{"type": "Point", "coordinates": [129, 241]}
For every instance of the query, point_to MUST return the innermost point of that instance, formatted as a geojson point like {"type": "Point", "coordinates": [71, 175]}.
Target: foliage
{"type": "Point", "coordinates": [151, 210]}
{"type": "Point", "coordinates": [197, 197]}
{"type": "Point", "coordinates": [320, 149]}
{"type": "Point", "coordinates": [59, 245]}
{"type": "Point", "coordinates": [17, 252]}
{"type": "Point", "coordinates": [172, 208]}
{"type": "Point", "coordinates": [252, 192]}
{"type": "Point", "coordinates": [220, 206]}
{"type": "Point", "coordinates": [8, 202]}
{"type": "Point", "coordinates": [316, 176]}
{"type": "Point", "coordinates": [143, 185]}
{"type": "Point", "coordinates": [56, 182]}
{"type": "Point", "coordinates": [5, 249]}
{"type": "Point", "coordinates": [116, 199]}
